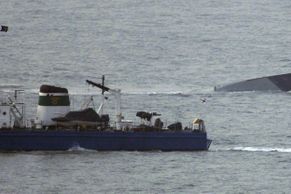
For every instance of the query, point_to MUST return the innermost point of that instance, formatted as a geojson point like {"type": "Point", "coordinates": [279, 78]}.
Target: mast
{"type": "Point", "coordinates": [100, 109]}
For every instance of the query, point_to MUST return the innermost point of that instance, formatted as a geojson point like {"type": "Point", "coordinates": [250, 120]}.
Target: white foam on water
{"type": "Point", "coordinates": [77, 148]}
{"type": "Point", "coordinates": [167, 93]}
{"type": "Point", "coordinates": [10, 86]}
{"type": "Point", "coordinates": [261, 149]}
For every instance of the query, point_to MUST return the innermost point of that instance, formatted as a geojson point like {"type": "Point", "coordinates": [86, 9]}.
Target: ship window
{"type": "Point", "coordinates": [4, 113]}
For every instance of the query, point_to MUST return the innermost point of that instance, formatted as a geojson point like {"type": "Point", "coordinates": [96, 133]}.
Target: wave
{"type": "Point", "coordinates": [83, 92]}
{"type": "Point", "coordinates": [77, 148]}
{"type": "Point", "coordinates": [154, 93]}
{"type": "Point", "coordinates": [181, 94]}
{"type": "Point", "coordinates": [10, 86]}
{"type": "Point", "coordinates": [260, 149]}
{"type": "Point", "coordinates": [173, 93]}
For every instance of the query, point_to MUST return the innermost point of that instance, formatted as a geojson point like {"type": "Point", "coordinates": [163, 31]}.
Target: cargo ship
{"type": "Point", "coordinates": [56, 127]}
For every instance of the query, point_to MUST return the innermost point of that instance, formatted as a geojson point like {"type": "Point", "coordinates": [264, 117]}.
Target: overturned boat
{"type": "Point", "coordinates": [269, 83]}
{"type": "Point", "coordinates": [56, 127]}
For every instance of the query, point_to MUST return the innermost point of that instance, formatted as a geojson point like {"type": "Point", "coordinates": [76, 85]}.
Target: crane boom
{"type": "Point", "coordinates": [102, 87]}
{"type": "Point", "coordinates": [117, 95]}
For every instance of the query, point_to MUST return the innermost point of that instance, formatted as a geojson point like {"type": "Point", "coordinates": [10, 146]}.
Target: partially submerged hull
{"type": "Point", "coordinates": [270, 83]}
{"type": "Point", "coordinates": [24, 140]}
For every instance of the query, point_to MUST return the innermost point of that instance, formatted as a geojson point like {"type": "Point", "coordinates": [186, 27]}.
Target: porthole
{"type": "Point", "coordinates": [4, 113]}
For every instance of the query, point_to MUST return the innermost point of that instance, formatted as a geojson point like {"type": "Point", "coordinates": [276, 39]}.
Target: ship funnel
{"type": "Point", "coordinates": [52, 102]}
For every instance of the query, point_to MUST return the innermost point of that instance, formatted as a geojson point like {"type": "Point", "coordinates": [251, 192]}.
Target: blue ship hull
{"type": "Point", "coordinates": [26, 140]}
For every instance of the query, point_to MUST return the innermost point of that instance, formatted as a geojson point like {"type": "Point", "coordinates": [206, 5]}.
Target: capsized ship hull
{"type": "Point", "coordinates": [270, 83]}
{"type": "Point", "coordinates": [25, 140]}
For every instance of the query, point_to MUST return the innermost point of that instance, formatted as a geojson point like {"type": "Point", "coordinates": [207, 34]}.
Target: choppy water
{"type": "Point", "coordinates": [165, 56]}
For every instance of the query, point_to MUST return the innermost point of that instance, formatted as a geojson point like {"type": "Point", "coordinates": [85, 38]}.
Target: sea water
{"type": "Point", "coordinates": [165, 56]}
